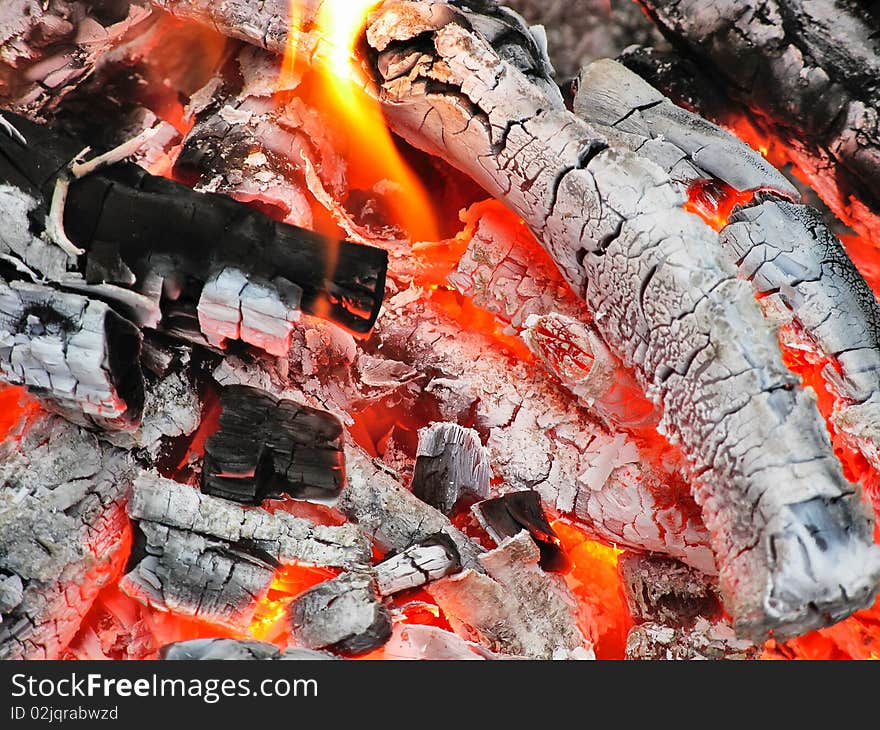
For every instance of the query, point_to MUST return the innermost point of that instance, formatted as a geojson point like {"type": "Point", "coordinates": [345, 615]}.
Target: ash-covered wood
{"type": "Point", "coordinates": [391, 515]}
{"type": "Point", "coordinates": [666, 591]}
{"type": "Point", "coordinates": [505, 271]}
{"type": "Point", "coordinates": [515, 608]}
{"type": "Point", "coordinates": [634, 115]}
{"type": "Point", "coordinates": [267, 447]}
{"type": "Point", "coordinates": [71, 350]}
{"type": "Point", "coordinates": [235, 650]}
{"type": "Point", "coordinates": [450, 461]}
{"type": "Point", "coordinates": [242, 275]}
{"type": "Point", "coordinates": [247, 141]}
{"type": "Point", "coordinates": [617, 487]}
{"type": "Point", "coordinates": [417, 565]}
{"type": "Point", "coordinates": [172, 408]}
{"type": "Point", "coordinates": [665, 299]}
{"type": "Point", "coordinates": [785, 249]}
{"type": "Point", "coordinates": [48, 48]}
{"type": "Point", "coordinates": [430, 643]}
{"type": "Point", "coordinates": [63, 532]}
{"type": "Point", "coordinates": [703, 640]}
{"type": "Point", "coordinates": [507, 516]}
{"type": "Point", "coordinates": [808, 71]}
{"type": "Point", "coordinates": [344, 614]}
{"type": "Point", "coordinates": [206, 557]}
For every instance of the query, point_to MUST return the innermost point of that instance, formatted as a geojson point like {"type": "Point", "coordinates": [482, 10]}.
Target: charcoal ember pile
{"type": "Point", "coordinates": [331, 334]}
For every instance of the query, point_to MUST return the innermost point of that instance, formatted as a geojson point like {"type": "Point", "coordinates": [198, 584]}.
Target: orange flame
{"type": "Point", "coordinates": [373, 157]}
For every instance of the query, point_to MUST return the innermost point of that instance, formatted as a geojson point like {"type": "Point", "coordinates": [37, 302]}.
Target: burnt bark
{"type": "Point", "coordinates": [74, 351]}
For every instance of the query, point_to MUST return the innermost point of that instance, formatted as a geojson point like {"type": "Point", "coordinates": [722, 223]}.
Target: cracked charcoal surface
{"type": "Point", "coordinates": [417, 565]}
{"type": "Point", "coordinates": [206, 557]}
{"type": "Point", "coordinates": [664, 296]}
{"type": "Point", "coordinates": [809, 70]}
{"type": "Point", "coordinates": [74, 351]}
{"type": "Point", "coordinates": [391, 515]}
{"type": "Point", "coordinates": [537, 438]}
{"type": "Point", "coordinates": [63, 532]}
{"type": "Point", "coordinates": [780, 246]}
{"type": "Point", "coordinates": [666, 591]}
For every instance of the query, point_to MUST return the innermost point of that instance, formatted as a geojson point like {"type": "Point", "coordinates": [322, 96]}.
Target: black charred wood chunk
{"type": "Point", "coordinates": [507, 516]}
{"type": "Point", "coordinates": [266, 447]}
{"type": "Point", "coordinates": [135, 227]}
{"type": "Point", "coordinates": [344, 615]}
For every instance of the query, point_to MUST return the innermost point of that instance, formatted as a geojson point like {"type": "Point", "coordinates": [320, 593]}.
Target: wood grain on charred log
{"type": "Point", "coordinates": [206, 557]}
{"type": "Point", "coordinates": [809, 71]}
{"type": "Point", "coordinates": [667, 301]}
{"type": "Point", "coordinates": [450, 460]}
{"type": "Point", "coordinates": [785, 249]}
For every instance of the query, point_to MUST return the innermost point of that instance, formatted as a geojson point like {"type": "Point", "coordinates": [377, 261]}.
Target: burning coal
{"type": "Point", "coordinates": [366, 335]}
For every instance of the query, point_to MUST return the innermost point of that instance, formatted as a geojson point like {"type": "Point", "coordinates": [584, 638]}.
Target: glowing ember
{"type": "Point", "coordinates": [714, 201]}
{"type": "Point", "coordinates": [594, 580]}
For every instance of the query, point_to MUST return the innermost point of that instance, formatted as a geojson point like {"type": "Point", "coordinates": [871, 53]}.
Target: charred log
{"type": "Point", "coordinates": [450, 461]}
{"type": "Point", "coordinates": [253, 273]}
{"type": "Point", "coordinates": [265, 447]}
{"type": "Point", "coordinates": [73, 351]}
{"type": "Point", "coordinates": [505, 271]}
{"type": "Point", "coordinates": [202, 556]}
{"type": "Point", "coordinates": [808, 71]}
{"type": "Point", "coordinates": [537, 439]}
{"type": "Point", "coordinates": [344, 615]}
{"type": "Point", "coordinates": [516, 608]}
{"type": "Point", "coordinates": [783, 248]}
{"type": "Point", "coordinates": [674, 311]}
{"type": "Point", "coordinates": [430, 560]}
{"type": "Point", "coordinates": [391, 515]}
